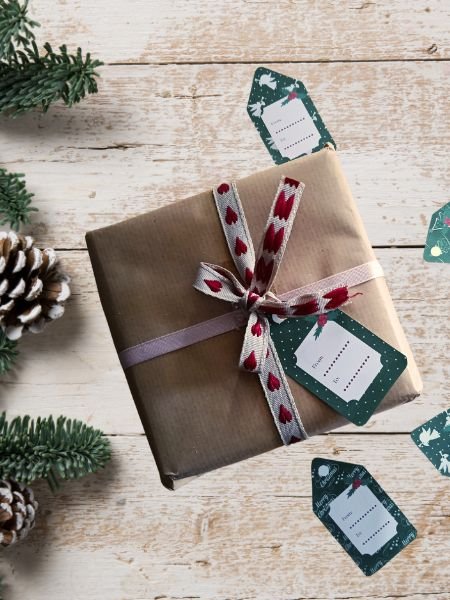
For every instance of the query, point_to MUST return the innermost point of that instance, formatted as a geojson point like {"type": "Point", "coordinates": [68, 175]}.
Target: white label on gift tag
{"type": "Point", "coordinates": [363, 519]}
{"type": "Point", "coordinates": [340, 361]}
{"type": "Point", "coordinates": [291, 127]}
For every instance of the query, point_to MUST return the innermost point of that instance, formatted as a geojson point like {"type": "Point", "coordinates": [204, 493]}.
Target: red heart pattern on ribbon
{"type": "Point", "coordinates": [214, 285]}
{"type": "Point", "coordinates": [240, 247]}
{"type": "Point", "coordinates": [230, 216]}
{"type": "Point", "coordinates": [253, 296]}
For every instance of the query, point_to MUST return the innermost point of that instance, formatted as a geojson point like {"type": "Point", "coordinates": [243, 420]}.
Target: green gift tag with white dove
{"type": "Point", "coordinates": [285, 116]}
{"type": "Point", "coordinates": [433, 438]}
{"type": "Point", "coordinates": [358, 513]}
{"type": "Point", "coordinates": [437, 246]}
{"type": "Point", "coordinates": [339, 360]}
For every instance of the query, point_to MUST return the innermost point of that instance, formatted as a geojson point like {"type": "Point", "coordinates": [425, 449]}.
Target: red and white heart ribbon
{"type": "Point", "coordinates": [252, 293]}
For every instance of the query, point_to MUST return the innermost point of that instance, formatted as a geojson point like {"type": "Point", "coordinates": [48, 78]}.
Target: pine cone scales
{"type": "Point", "coordinates": [32, 288]}
{"type": "Point", "coordinates": [17, 512]}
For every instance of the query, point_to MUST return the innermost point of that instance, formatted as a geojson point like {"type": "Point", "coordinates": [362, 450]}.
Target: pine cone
{"type": "Point", "coordinates": [17, 512]}
{"type": "Point", "coordinates": [32, 289]}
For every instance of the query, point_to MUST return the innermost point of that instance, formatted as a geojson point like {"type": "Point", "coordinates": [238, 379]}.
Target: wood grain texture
{"type": "Point", "coordinates": [246, 531]}
{"type": "Point", "coordinates": [169, 120]}
{"type": "Point", "coordinates": [163, 31]}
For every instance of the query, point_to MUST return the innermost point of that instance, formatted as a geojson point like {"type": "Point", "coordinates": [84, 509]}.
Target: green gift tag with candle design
{"type": "Point", "coordinates": [285, 116]}
{"type": "Point", "coordinates": [358, 513]}
{"type": "Point", "coordinates": [437, 246]}
{"type": "Point", "coordinates": [339, 360]}
{"type": "Point", "coordinates": [433, 438]}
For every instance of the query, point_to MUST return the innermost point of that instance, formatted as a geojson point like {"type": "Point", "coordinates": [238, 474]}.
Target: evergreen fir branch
{"type": "Point", "coordinates": [49, 449]}
{"type": "Point", "coordinates": [8, 353]}
{"type": "Point", "coordinates": [28, 80]}
{"type": "Point", "coordinates": [16, 28]}
{"type": "Point", "coordinates": [15, 200]}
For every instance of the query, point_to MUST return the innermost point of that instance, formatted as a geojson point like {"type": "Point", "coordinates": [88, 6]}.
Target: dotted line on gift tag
{"type": "Point", "coordinates": [337, 357]}
{"type": "Point", "coordinates": [356, 374]}
{"type": "Point", "coordinates": [363, 516]}
{"type": "Point", "coordinates": [290, 125]}
{"type": "Point", "coordinates": [376, 533]}
{"type": "Point", "coordinates": [299, 141]}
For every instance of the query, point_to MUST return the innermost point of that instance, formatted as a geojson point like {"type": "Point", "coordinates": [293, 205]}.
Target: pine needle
{"type": "Point", "coordinates": [15, 27]}
{"type": "Point", "coordinates": [15, 200]}
{"type": "Point", "coordinates": [49, 449]}
{"type": "Point", "coordinates": [8, 353]}
{"type": "Point", "coordinates": [29, 81]}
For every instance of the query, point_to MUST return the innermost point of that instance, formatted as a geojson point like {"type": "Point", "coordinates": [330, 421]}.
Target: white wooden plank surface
{"type": "Point", "coordinates": [170, 118]}
{"type": "Point", "coordinates": [160, 31]}
{"type": "Point", "coordinates": [114, 155]}
{"type": "Point", "coordinates": [244, 532]}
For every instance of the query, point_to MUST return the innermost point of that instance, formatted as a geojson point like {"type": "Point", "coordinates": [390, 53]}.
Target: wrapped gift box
{"type": "Point", "coordinates": [199, 411]}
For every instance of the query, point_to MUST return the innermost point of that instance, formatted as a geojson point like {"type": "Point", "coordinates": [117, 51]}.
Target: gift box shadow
{"type": "Point", "coordinates": [59, 122]}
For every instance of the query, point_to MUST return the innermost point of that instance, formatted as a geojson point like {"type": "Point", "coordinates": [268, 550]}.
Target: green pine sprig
{"type": "Point", "coordinates": [29, 81]}
{"type": "Point", "coordinates": [8, 353]}
{"type": "Point", "coordinates": [49, 449]}
{"type": "Point", "coordinates": [16, 28]}
{"type": "Point", "coordinates": [15, 200]}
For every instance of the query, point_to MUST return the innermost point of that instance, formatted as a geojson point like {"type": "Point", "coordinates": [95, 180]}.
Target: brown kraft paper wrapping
{"type": "Point", "coordinates": [199, 411]}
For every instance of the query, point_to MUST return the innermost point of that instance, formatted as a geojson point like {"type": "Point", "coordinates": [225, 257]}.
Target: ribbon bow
{"type": "Point", "coordinates": [254, 297]}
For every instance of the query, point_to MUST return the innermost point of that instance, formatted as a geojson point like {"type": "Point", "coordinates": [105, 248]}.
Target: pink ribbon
{"type": "Point", "coordinates": [235, 319]}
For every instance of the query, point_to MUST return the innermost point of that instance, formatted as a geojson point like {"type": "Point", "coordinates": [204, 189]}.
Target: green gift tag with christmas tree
{"type": "Point", "coordinates": [437, 246]}
{"type": "Point", "coordinates": [433, 438]}
{"type": "Point", "coordinates": [339, 360]}
{"type": "Point", "coordinates": [285, 116]}
{"type": "Point", "coordinates": [358, 513]}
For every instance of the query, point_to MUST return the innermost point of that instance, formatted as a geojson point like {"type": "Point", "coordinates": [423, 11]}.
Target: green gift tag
{"type": "Point", "coordinates": [437, 246]}
{"type": "Point", "coordinates": [358, 513]}
{"type": "Point", "coordinates": [285, 116]}
{"type": "Point", "coordinates": [341, 362]}
{"type": "Point", "coordinates": [433, 438]}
